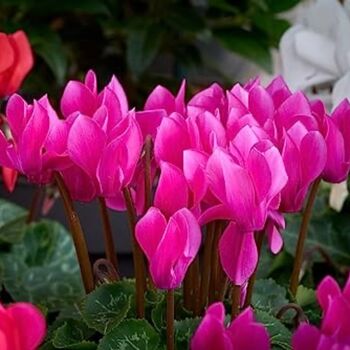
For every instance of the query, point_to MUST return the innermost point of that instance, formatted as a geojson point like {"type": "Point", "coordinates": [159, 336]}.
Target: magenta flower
{"type": "Point", "coordinates": [169, 245]}
{"type": "Point", "coordinates": [338, 144]}
{"type": "Point", "coordinates": [107, 108]}
{"type": "Point", "coordinates": [103, 164]}
{"type": "Point", "coordinates": [243, 333]}
{"type": "Point", "coordinates": [37, 142]}
{"type": "Point", "coordinates": [245, 189]}
{"type": "Point", "coordinates": [334, 332]}
{"type": "Point", "coordinates": [22, 327]}
{"type": "Point", "coordinates": [304, 154]}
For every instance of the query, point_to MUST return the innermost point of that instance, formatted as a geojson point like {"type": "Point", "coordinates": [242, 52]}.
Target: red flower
{"type": "Point", "coordinates": [16, 60]}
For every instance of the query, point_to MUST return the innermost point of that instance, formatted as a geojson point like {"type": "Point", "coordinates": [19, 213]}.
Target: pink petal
{"type": "Point", "coordinates": [149, 231]}
{"type": "Point", "coordinates": [30, 324]}
{"type": "Point", "coordinates": [91, 81]}
{"type": "Point", "coordinates": [118, 90]}
{"type": "Point", "coordinates": [172, 131]}
{"type": "Point", "coordinates": [278, 90]}
{"type": "Point", "coordinates": [336, 169]}
{"type": "Point", "coordinates": [306, 337]}
{"type": "Point", "coordinates": [16, 114]}
{"type": "Point", "coordinates": [313, 152]}
{"type": "Point", "coordinates": [244, 140]}
{"type": "Point", "coordinates": [215, 212]}
{"type": "Point", "coordinates": [194, 172]}
{"type": "Point", "coordinates": [211, 334]}
{"type": "Point", "coordinates": [238, 254]}
{"type": "Point", "coordinates": [247, 334]}
{"type": "Point", "coordinates": [85, 143]}
{"type": "Point", "coordinates": [296, 104]}
{"type": "Point", "coordinates": [161, 98]}
{"type": "Point", "coordinates": [80, 185]}
{"type": "Point", "coordinates": [172, 191]}
{"type": "Point", "coordinates": [260, 104]}
{"type": "Point", "coordinates": [149, 121]}
{"type": "Point", "coordinates": [110, 101]}
{"type": "Point", "coordinates": [78, 98]}
{"type": "Point", "coordinates": [327, 290]}
{"type": "Point", "coordinates": [30, 148]}
{"type": "Point", "coordinates": [274, 237]}
{"type": "Point", "coordinates": [176, 250]}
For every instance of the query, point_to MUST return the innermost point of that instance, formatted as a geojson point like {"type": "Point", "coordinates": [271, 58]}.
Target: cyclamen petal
{"type": "Point", "coordinates": [168, 197]}
{"type": "Point", "coordinates": [238, 254]}
{"type": "Point", "coordinates": [86, 140]}
{"type": "Point", "coordinates": [171, 250]}
{"type": "Point", "coordinates": [327, 290]}
{"type": "Point", "coordinates": [242, 334]}
{"type": "Point", "coordinates": [15, 334]}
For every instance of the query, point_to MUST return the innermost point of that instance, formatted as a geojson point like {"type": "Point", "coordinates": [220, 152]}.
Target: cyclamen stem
{"type": "Point", "coordinates": [208, 246]}
{"type": "Point", "coordinates": [259, 238]}
{"type": "Point", "coordinates": [299, 252]}
{"type": "Point", "coordinates": [107, 234]}
{"type": "Point", "coordinates": [77, 235]}
{"type": "Point", "coordinates": [236, 298]}
{"type": "Point", "coordinates": [139, 263]}
{"type": "Point", "coordinates": [170, 315]}
{"type": "Point", "coordinates": [34, 205]}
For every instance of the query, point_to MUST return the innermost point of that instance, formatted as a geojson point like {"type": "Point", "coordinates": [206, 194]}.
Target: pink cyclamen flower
{"type": "Point", "coordinates": [37, 142]}
{"type": "Point", "coordinates": [22, 327]}
{"type": "Point", "coordinates": [169, 245]}
{"type": "Point", "coordinates": [334, 333]}
{"type": "Point", "coordinates": [107, 107]}
{"type": "Point", "coordinates": [242, 334]}
{"type": "Point", "coordinates": [338, 144]}
{"type": "Point", "coordinates": [103, 163]}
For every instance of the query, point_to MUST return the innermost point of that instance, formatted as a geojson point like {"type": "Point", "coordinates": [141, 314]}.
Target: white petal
{"type": "Point", "coordinates": [338, 195]}
{"type": "Point", "coordinates": [341, 90]}
{"type": "Point", "coordinates": [318, 50]}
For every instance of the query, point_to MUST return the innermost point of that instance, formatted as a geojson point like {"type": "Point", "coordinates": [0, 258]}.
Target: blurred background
{"type": "Point", "coordinates": [144, 43]}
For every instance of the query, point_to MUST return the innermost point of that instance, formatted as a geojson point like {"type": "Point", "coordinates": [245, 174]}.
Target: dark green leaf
{"type": "Point", "coordinates": [43, 268]}
{"type": "Point", "coordinates": [12, 222]}
{"type": "Point", "coordinates": [142, 47]}
{"type": "Point", "coordinates": [73, 335]}
{"type": "Point", "coordinates": [268, 295]}
{"type": "Point", "coordinates": [279, 334]}
{"type": "Point", "coordinates": [184, 330]}
{"type": "Point", "coordinates": [245, 44]}
{"type": "Point", "coordinates": [281, 5]}
{"type": "Point", "coordinates": [107, 306]}
{"type": "Point", "coordinates": [158, 316]}
{"type": "Point", "coordinates": [48, 45]}
{"type": "Point", "coordinates": [272, 26]}
{"type": "Point", "coordinates": [131, 334]}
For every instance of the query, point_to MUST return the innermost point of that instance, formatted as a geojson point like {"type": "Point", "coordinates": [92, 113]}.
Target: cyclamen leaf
{"type": "Point", "coordinates": [184, 330]}
{"type": "Point", "coordinates": [107, 306]}
{"type": "Point", "coordinates": [73, 334]}
{"type": "Point", "coordinates": [12, 222]}
{"type": "Point", "coordinates": [279, 334]}
{"type": "Point", "coordinates": [268, 295]}
{"type": "Point", "coordinates": [131, 334]}
{"type": "Point", "coordinates": [43, 268]}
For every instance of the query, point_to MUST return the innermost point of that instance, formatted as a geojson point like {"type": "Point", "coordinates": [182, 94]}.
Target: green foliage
{"type": "Point", "coordinates": [107, 306]}
{"type": "Point", "coordinates": [279, 334]}
{"type": "Point", "coordinates": [43, 268]}
{"type": "Point", "coordinates": [268, 295]}
{"type": "Point", "coordinates": [131, 334]}
{"type": "Point", "coordinates": [12, 222]}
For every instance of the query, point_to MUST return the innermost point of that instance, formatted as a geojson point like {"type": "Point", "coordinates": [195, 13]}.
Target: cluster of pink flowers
{"type": "Point", "coordinates": [246, 155]}
{"type": "Point", "coordinates": [334, 333]}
